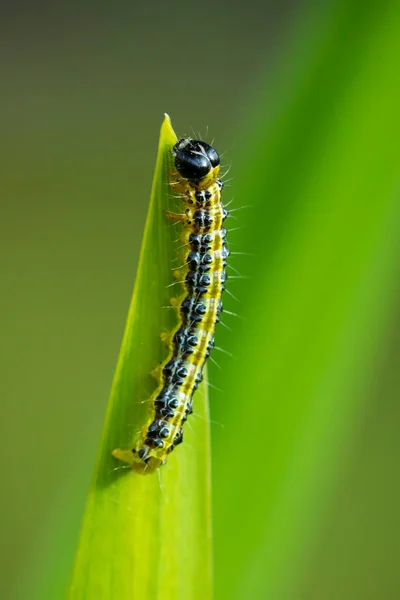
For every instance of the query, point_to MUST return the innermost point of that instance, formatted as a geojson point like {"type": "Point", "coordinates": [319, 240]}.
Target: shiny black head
{"type": "Point", "coordinates": [194, 159]}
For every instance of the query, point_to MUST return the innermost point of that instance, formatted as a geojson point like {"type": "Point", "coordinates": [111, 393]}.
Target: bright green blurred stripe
{"type": "Point", "coordinates": [322, 175]}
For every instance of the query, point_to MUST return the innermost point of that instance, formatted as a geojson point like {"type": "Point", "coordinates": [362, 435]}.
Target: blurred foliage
{"type": "Point", "coordinates": [304, 500]}
{"type": "Point", "coordinates": [322, 175]}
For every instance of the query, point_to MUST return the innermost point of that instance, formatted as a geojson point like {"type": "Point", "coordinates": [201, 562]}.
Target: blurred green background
{"type": "Point", "coordinates": [84, 89]}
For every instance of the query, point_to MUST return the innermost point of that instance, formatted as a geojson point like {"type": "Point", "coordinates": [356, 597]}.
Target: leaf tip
{"type": "Point", "coordinates": [167, 131]}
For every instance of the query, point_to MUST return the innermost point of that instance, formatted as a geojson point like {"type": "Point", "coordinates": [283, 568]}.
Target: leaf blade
{"type": "Point", "coordinates": [138, 531]}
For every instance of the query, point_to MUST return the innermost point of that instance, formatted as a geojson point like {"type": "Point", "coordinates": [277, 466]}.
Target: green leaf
{"type": "Point", "coordinates": [148, 536]}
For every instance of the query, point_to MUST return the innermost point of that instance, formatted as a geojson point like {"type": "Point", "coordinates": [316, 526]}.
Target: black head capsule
{"type": "Point", "coordinates": [194, 159]}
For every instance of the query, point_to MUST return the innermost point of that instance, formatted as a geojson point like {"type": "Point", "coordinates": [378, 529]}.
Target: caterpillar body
{"type": "Point", "coordinates": [197, 182]}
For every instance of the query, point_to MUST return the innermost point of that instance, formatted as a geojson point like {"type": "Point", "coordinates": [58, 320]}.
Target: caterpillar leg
{"type": "Point", "coordinates": [176, 182]}
{"type": "Point", "coordinates": [175, 216]}
{"type": "Point", "coordinates": [131, 457]}
{"type": "Point", "coordinates": [173, 175]}
{"type": "Point", "coordinates": [156, 373]}
{"type": "Point", "coordinates": [177, 274]}
{"type": "Point", "coordinates": [166, 337]}
{"type": "Point", "coordinates": [126, 456]}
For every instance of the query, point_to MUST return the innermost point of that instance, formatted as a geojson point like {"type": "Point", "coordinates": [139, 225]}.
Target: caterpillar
{"type": "Point", "coordinates": [196, 179]}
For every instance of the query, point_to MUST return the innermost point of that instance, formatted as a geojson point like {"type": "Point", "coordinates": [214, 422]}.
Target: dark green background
{"type": "Point", "coordinates": [83, 92]}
